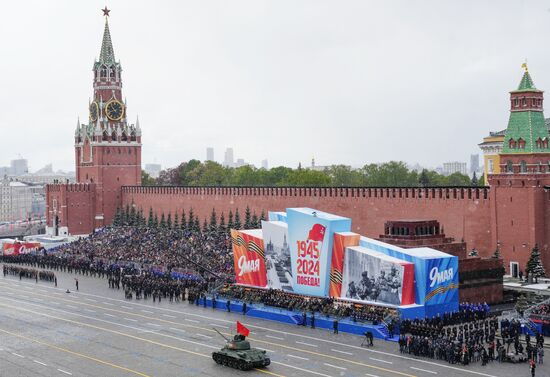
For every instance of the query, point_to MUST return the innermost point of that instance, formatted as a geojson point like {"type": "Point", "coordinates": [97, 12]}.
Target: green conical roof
{"type": "Point", "coordinates": [526, 84]}
{"type": "Point", "coordinates": [107, 54]}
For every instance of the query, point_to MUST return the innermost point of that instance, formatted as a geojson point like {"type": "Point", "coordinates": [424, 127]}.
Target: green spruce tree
{"type": "Point", "coordinates": [191, 222]}
{"type": "Point", "coordinates": [176, 221]}
{"type": "Point", "coordinates": [262, 217]}
{"type": "Point", "coordinates": [221, 226]}
{"type": "Point", "coordinates": [197, 225]}
{"type": "Point", "coordinates": [496, 254]}
{"type": "Point", "coordinates": [254, 222]}
{"type": "Point", "coordinates": [169, 220]}
{"type": "Point", "coordinates": [534, 265]}
{"type": "Point", "coordinates": [162, 221]}
{"type": "Point", "coordinates": [118, 217]}
{"type": "Point", "coordinates": [230, 223]}
{"type": "Point", "coordinates": [237, 224]}
{"type": "Point", "coordinates": [156, 221]}
{"type": "Point", "coordinates": [247, 218]}
{"type": "Point", "coordinates": [132, 218]}
{"type": "Point", "coordinates": [151, 218]}
{"type": "Point", "coordinates": [205, 227]}
{"type": "Point", "coordinates": [213, 221]}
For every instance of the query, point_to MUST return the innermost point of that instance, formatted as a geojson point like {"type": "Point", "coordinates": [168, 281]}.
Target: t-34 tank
{"type": "Point", "coordinates": [237, 354]}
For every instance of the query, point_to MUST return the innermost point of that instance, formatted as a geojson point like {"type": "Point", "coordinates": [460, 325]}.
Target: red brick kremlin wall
{"type": "Point", "coordinates": [463, 212]}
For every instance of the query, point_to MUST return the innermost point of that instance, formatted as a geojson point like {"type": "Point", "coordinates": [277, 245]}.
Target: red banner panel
{"type": "Point", "coordinates": [249, 257]}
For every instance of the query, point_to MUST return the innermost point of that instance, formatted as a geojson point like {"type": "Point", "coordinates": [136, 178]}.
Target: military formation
{"type": "Point", "coordinates": [467, 336]}
{"type": "Point", "coordinates": [29, 273]}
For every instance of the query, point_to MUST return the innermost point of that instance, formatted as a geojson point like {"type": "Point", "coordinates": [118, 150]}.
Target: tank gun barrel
{"type": "Point", "coordinates": [223, 336]}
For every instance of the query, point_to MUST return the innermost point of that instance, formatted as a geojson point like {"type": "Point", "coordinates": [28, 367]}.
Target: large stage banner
{"type": "Point", "coordinates": [310, 233]}
{"type": "Point", "coordinates": [341, 241]}
{"type": "Point", "coordinates": [371, 276]}
{"type": "Point", "coordinates": [249, 257]}
{"type": "Point", "coordinates": [277, 255]}
{"type": "Point", "coordinates": [20, 248]}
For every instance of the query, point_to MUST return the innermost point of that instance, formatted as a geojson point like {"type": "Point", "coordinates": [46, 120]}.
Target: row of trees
{"type": "Point", "coordinates": [129, 216]}
{"type": "Point", "coordinates": [393, 173]}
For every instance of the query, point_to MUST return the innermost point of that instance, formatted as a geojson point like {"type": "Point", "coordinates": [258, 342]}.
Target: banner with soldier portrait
{"type": "Point", "coordinates": [370, 276]}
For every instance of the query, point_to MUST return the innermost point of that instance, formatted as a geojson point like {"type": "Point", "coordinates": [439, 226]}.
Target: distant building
{"type": "Point", "coordinates": [265, 165]}
{"type": "Point", "coordinates": [455, 167]}
{"type": "Point", "coordinates": [209, 154]}
{"type": "Point", "coordinates": [474, 163]}
{"type": "Point", "coordinates": [153, 170]}
{"type": "Point", "coordinates": [19, 167]}
{"type": "Point", "coordinates": [16, 200]}
{"type": "Point", "coordinates": [228, 160]}
{"type": "Point", "coordinates": [240, 162]}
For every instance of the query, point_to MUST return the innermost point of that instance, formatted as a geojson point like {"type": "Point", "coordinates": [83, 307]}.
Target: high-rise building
{"type": "Point", "coordinates": [19, 166]}
{"type": "Point", "coordinates": [209, 154]}
{"type": "Point", "coordinates": [474, 163]}
{"type": "Point", "coordinates": [107, 151]}
{"type": "Point", "coordinates": [455, 167]}
{"type": "Point", "coordinates": [265, 164]}
{"type": "Point", "coordinates": [228, 158]}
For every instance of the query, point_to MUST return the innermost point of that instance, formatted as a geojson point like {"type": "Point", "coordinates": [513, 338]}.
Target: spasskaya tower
{"type": "Point", "coordinates": [107, 154]}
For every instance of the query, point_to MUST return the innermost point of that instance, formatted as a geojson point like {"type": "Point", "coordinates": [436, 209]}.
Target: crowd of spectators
{"type": "Point", "coordinates": [542, 310]}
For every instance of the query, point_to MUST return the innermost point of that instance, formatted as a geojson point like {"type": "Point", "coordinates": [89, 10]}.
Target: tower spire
{"type": "Point", "coordinates": [107, 53]}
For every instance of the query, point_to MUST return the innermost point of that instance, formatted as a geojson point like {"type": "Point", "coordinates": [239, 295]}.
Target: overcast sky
{"type": "Point", "coordinates": [348, 82]}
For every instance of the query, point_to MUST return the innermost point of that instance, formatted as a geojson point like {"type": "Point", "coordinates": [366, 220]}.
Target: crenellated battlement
{"type": "Point", "coordinates": [70, 187]}
{"type": "Point", "coordinates": [444, 193]}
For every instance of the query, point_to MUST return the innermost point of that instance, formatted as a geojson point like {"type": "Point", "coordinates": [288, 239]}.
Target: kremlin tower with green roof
{"type": "Point", "coordinates": [527, 131]}
{"type": "Point", "coordinates": [525, 148]}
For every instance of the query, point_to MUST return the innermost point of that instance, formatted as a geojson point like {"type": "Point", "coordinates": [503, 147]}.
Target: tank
{"type": "Point", "coordinates": [238, 354]}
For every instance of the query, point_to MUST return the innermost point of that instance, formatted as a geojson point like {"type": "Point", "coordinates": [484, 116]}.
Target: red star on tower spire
{"type": "Point", "coordinates": [106, 11]}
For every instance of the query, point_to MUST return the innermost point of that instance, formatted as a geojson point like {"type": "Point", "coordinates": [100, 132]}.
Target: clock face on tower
{"type": "Point", "coordinates": [94, 110]}
{"type": "Point", "coordinates": [114, 109]}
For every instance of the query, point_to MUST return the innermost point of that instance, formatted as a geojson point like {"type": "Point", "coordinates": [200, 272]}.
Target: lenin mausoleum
{"type": "Point", "coordinates": [512, 213]}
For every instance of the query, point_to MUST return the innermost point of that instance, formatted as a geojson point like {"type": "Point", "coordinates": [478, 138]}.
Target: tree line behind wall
{"type": "Point", "coordinates": [389, 174]}
{"type": "Point", "coordinates": [130, 216]}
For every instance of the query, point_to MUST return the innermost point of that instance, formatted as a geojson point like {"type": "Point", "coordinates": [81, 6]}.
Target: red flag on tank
{"type": "Point", "coordinates": [241, 329]}
{"type": "Point", "coordinates": [317, 233]}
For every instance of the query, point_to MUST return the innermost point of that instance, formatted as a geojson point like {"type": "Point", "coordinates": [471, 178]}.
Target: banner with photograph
{"type": "Point", "coordinates": [310, 233]}
{"type": "Point", "coordinates": [277, 255]}
{"type": "Point", "coordinates": [375, 277]}
{"type": "Point", "coordinates": [249, 257]}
